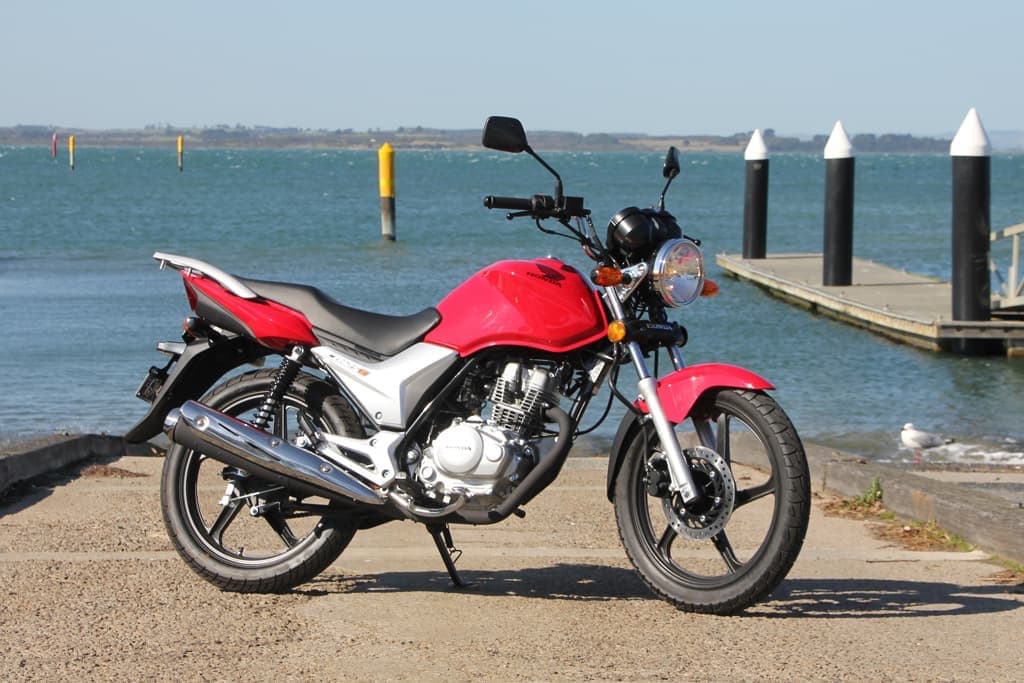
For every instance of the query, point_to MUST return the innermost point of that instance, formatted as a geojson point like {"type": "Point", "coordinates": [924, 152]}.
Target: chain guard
{"type": "Point", "coordinates": [711, 513]}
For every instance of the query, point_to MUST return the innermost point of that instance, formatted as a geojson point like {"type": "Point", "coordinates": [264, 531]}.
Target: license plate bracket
{"type": "Point", "coordinates": [151, 384]}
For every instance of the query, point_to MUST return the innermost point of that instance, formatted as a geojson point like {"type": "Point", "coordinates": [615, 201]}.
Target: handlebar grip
{"type": "Point", "coordinates": [508, 203]}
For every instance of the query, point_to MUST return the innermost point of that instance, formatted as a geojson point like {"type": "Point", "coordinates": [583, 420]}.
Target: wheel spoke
{"type": "Point", "coordinates": [227, 515]}
{"type": "Point", "coordinates": [722, 438]}
{"type": "Point", "coordinates": [665, 542]}
{"type": "Point", "coordinates": [281, 528]}
{"type": "Point", "coordinates": [704, 432]}
{"type": "Point", "coordinates": [754, 492]}
{"type": "Point", "coordinates": [724, 548]}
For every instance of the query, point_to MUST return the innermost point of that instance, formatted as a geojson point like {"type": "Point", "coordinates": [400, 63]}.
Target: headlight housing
{"type": "Point", "coordinates": [677, 272]}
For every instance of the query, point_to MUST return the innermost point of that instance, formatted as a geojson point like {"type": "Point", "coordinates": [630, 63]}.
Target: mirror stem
{"type": "Point", "coordinates": [558, 178]}
{"type": "Point", "coordinates": [661, 200]}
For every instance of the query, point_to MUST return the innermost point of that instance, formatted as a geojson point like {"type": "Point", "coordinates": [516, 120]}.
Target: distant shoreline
{"type": "Point", "coordinates": [240, 137]}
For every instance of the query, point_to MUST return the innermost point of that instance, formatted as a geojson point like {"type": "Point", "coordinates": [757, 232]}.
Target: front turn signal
{"type": "Point", "coordinates": [616, 331]}
{"type": "Point", "coordinates": [709, 289]}
{"type": "Point", "coordinates": [606, 276]}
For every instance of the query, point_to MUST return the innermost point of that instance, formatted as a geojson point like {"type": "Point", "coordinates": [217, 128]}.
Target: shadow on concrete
{"type": "Point", "coordinates": [874, 598]}
{"type": "Point", "coordinates": [559, 582]}
{"type": "Point", "coordinates": [25, 494]}
{"type": "Point", "coordinates": [797, 598]}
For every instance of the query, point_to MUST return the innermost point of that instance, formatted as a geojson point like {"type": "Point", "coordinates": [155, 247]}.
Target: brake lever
{"type": "Point", "coordinates": [518, 214]}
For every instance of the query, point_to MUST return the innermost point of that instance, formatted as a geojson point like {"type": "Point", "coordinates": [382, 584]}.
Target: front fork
{"type": "Point", "coordinates": [682, 480]}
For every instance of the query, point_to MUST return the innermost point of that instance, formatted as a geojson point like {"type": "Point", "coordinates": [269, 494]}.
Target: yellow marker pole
{"type": "Point", "coordinates": [181, 152]}
{"type": "Point", "coordinates": [386, 167]}
{"type": "Point", "coordinates": [71, 151]}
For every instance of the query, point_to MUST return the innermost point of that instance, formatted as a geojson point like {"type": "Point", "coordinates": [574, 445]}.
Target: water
{"type": "Point", "coordinates": [83, 303]}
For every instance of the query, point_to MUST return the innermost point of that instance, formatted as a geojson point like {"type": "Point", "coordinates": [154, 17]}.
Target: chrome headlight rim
{"type": "Point", "coordinates": [677, 272]}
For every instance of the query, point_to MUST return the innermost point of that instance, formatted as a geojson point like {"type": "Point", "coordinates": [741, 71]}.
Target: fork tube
{"type": "Point", "coordinates": [700, 425]}
{"type": "Point", "coordinates": [682, 480]}
{"type": "Point", "coordinates": [677, 357]}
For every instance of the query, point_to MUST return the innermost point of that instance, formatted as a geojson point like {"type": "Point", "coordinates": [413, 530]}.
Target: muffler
{"type": "Point", "coordinates": [263, 455]}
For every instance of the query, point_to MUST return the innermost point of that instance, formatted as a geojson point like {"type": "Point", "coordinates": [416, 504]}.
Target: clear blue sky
{"type": "Point", "coordinates": [683, 66]}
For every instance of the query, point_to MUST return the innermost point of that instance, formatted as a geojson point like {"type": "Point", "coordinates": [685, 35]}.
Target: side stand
{"type": "Point", "coordinates": [449, 553]}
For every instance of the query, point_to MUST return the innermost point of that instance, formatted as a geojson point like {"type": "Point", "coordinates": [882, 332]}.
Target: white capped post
{"type": "Point", "coordinates": [837, 260]}
{"type": "Point", "coordinates": [755, 199]}
{"type": "Point", "coordinates": [972, 178]}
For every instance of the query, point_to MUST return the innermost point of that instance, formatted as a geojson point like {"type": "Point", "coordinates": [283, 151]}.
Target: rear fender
{"type": "Point", "coordinates": [192, 373]}
{"type": "Point", "coordinates": [678, 392]}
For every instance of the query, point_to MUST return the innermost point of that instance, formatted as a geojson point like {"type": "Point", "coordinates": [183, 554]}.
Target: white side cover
{"type": "Point", "coordinates": [388, 391]}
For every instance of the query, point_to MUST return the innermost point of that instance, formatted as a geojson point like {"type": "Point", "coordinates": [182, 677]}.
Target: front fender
{"type": "Point", "coordinates": [678, 392]}
{"type": "Point", "coordinates": [194, 371]}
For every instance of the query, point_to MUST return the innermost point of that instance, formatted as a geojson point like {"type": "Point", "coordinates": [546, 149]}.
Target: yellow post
{"type": "Point", "coordinates": [71, 151]}
{"type": "Point", "coordinates": [386, 167]}
{"type": "Point", "coordinates": [181, 152]}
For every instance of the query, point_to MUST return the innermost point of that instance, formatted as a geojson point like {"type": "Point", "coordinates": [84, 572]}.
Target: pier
{"type": "Point", "coordinates": [912, 309]}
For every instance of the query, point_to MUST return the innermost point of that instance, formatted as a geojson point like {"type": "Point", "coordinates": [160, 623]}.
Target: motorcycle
{"type": "Point", "coordinates": [464, 412]}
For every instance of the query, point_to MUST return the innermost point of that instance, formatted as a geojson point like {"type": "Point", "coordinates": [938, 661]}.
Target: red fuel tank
{"type": "Point", "coordinates": [540, 304]}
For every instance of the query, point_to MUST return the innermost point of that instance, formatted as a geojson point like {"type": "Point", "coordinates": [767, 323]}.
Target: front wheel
{"type": "Point", "coordinates": [733, 546]}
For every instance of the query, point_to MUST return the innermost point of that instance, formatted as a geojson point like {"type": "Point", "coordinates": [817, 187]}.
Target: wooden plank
{"type": "Point", "coordinates": [908, 307]}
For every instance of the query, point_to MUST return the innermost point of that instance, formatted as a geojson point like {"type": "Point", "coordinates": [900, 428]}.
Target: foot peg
{"type": "Point", "coordinates": [449, 553]}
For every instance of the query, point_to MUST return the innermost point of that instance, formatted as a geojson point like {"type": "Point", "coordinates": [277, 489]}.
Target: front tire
{"type": "Point", "coordinates": [740, 557]}
{"type": "Point", "coordinates": [247, 535]}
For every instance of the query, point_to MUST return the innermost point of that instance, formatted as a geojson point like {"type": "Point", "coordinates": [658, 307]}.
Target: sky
{"type": "Point", "coordinates": [660, 67]}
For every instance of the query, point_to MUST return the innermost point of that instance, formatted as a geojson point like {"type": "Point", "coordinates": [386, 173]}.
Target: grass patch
{"type": "Point", "coordinates": [913, 535]}
{"type": "Point", "coordinates": [864, 506]}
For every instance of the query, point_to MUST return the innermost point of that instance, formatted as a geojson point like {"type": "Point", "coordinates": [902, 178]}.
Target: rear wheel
{"type": "Point", "coordinates": [248, 535]}
{"type": "Point", "coordinates": [733, 547]}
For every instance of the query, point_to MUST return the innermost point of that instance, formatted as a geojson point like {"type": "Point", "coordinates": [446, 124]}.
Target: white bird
{"type": "Point", "coordinates": [917, 439]}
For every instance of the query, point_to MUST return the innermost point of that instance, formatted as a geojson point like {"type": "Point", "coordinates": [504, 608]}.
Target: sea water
{"type": "Point", "coordinates": [82, 302]}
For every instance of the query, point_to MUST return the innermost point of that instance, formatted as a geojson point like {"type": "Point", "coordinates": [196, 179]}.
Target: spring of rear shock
{"type": "Point", "coordinates": [286, 374]}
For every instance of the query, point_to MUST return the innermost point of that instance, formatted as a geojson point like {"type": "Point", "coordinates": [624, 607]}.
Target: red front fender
{"type": "Point", "coordinates": [679, 390]}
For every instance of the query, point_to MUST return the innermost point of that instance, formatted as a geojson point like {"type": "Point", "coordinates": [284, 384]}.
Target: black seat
{"type": "Point", "coordinates": [372, 334]}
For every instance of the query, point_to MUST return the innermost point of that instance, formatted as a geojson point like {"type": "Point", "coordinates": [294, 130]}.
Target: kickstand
{"type": "Point", "coordinates": [449, 553]}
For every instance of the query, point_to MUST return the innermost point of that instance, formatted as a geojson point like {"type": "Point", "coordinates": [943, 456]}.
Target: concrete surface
{"type": "Point", "coordinates": [93, 591]}
{"type": "Point", "coordinates": [984, 508]}
{"type": "Point", "coordinates": [29, 459]}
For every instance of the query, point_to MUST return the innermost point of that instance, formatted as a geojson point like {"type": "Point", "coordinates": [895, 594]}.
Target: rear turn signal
{"type": "Point", "coordinates": [709, 289]}
{"type": "Point", "coordinates": [616, 331]}
{"type": "Point", "coordinates": [606, 276]}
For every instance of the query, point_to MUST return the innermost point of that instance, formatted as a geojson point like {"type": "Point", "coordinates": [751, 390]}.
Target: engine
{"type": "Point", "coordinates": [485, 457]}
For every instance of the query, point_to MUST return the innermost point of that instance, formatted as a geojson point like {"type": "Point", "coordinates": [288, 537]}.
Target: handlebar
{"type": "Point", "coordinates": [538, 206]}
{"type": "Point", "coordinates": [508, 203]}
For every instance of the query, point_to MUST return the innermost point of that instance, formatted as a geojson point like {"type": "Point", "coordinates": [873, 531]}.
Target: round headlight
{"type": "Point", "coordinates": [678, 272]}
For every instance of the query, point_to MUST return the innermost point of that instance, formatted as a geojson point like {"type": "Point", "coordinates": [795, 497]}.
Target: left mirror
{"type": "Point", "coordinates": [505, 134]}
{"type": "Point", "coordinates": [671, 168]}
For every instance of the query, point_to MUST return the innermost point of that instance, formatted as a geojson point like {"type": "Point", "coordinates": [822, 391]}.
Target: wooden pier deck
{"type": "Point", "coordinates": [909, 308]}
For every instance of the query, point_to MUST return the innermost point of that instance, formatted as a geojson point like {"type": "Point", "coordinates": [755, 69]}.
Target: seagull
{"type": "Point", "coordinates": [915, 438]}
{"type": "Point", "coordinates": [918, 440]}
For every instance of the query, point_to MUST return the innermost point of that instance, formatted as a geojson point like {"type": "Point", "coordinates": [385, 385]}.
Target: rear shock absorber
{"type": "Point", "coordinates": [286, 374]}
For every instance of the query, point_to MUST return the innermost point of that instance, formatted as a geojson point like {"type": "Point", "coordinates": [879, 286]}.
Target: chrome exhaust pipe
{"type": "Point", "coordinates": [238, 444]}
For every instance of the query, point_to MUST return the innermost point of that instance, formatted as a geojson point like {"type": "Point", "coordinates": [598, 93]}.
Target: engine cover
{"type": "Point", "coordinates": [467, 449]}
{"type": "Point", "coordinates": [474, 459]}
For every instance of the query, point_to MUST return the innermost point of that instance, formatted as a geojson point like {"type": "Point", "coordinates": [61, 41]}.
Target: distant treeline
{"type": "Point", "coordinates": [430, 138]}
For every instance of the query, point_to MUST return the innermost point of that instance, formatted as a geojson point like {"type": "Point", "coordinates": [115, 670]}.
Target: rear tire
{"type": "Point", "coordinates": [207, 505]}
{"type": "Point", "coordinates": [739, 563]}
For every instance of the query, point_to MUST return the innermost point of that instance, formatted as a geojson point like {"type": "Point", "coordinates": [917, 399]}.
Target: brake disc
{"type": "Point", "coordinates": [707, 516]}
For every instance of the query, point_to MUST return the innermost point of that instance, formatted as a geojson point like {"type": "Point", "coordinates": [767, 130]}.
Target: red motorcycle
{"type": "Point", "coordinates": [462, 413]}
